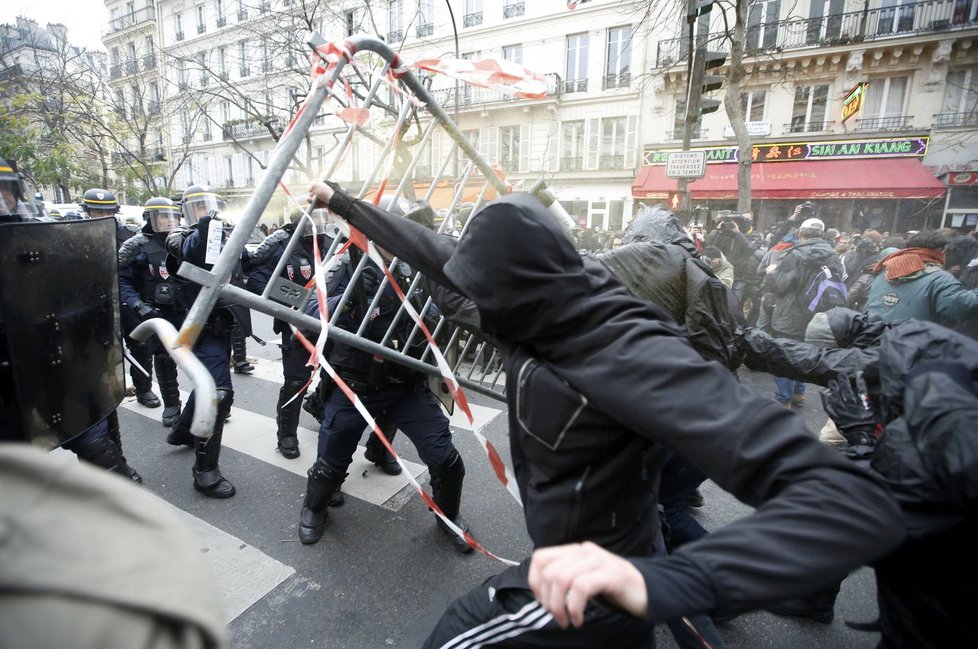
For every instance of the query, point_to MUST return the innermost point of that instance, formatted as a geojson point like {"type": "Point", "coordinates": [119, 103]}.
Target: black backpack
{"type": "Point", "coordinates": [824, 289]}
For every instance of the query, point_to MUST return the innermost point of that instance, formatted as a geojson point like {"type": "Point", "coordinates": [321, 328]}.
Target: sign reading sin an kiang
{"type": "Point", "coordinates": [901, 147]}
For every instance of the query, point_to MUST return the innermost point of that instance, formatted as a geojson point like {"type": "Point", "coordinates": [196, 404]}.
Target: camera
{"type": "Point", "coordinates": [807, 208]}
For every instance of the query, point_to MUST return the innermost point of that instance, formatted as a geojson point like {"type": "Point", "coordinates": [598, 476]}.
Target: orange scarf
{"type": "Point", "coordinates": [908, 261]}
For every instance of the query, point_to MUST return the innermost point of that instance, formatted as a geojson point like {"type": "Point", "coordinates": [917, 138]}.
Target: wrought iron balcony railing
{"type": "Point", "coordinates": [249, 128]}
{"type": "Point", "coordinates": [149, 61]}
{"type": "Point", "coordinates": [425, 29]}
{"type": "Point", "coordinates": [115, 71]}
{"type": "Point", "coordinates": [956, 120]}
{"type": "Point", "coordinates": [471, 20]}
{"type": "Point", "coordinates": [470, 96]}
{"type": "Point", "coordinates": [611, 162]}
{"type": "Point", "coordinates": [616, 80]}
{"type": "Point", "coordinates": [132, 66]}
{"type": "Point", "coordinates": [132, 19]}
{"type": "Point", "coordinates": [575, 85]}
{"type": "Point", "coordinates": [840, 29]}
{"type": "Point", "coordinates": [394, 38]}
{"type": "Point", "coordinates": [571, 163]}
{"type": "Point", "coordinates": [513, 10]}
{"type": "Point", "coordinates": [799, 126]}
{"type": "Point", "coordinates": [896, 123]}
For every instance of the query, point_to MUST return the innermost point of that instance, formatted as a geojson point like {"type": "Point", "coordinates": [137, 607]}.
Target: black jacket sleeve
{"type": "Point", "coordinates": [802, 361]}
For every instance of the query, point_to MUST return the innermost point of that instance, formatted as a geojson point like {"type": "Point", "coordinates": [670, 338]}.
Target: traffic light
{"type": "Point", "coordinates": [703, 61]}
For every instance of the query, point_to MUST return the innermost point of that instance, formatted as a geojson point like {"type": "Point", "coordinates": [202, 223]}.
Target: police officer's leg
{"type": "Point", "coordinates": [143, 384]}
{"type": "Point", "coordinates": [377, 454]}
{"type": "Point", "coordinates": [420, 416]}
{"type": "Point", "coordinates": [239, 351]}
{"type": "Point", "coordinates": [214, 352]}
{"type": "Point", "coordinates": [290, 396]}
{"type": "Point", "coordinates": [166, 376]}
{"type": "Point", "coordinates": [338, 436]}
{"type": "Point", "coordinates": [97, 445]}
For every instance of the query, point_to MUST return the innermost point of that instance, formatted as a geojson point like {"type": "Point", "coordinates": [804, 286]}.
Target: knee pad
{"type": "Point", "coordinates": [225, 398]}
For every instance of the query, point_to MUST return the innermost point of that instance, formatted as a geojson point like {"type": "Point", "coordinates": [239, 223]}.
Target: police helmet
{"type": "Point", "coordinates": [161, 214]}
{"type": "Point", "coordinates": [98, 203]}
{"type": "Point", "coordinates": [13, 195]}
{"type": "Point", "coordinates": [73, 215]}
{"type": "Point", "coordinates": [198, 201]}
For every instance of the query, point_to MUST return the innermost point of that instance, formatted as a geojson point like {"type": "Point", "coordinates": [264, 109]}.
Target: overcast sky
{"type": "Point", "coordinates": [85, 19]}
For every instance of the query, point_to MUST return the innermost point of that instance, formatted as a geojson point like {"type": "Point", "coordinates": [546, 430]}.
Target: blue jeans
{"type": "Point", "coordinates": [785, 389]}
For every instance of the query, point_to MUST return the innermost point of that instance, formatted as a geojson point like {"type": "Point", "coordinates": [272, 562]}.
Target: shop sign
{"type": "Point", "coordinates": [905, 147]}
{"type": "Point", "coordinates": [852, 103]}
{"type": "Point", "coordinates": [963, 178]}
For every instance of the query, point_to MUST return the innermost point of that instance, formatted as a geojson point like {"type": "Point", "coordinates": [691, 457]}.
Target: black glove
{"type": "Point", "coordinates": [145, 311]}
{"type": "Point", "coordinates": [174, 241]}
{"type": "Point", "coordinates": [847, 402]}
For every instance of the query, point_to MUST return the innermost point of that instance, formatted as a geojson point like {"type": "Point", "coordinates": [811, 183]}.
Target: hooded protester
{"type": "Point", "coordinates": [912, 421]}
{"type": "Point", "coordinates": [912, 283]}
{"type": "Point", "coordinates": [855, 259]}
{"type": "Point", "coordinates": [599, 385]}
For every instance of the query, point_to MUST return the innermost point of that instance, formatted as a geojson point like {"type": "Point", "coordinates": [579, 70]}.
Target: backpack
{"type": "Point", "coordinates": [824, 290]}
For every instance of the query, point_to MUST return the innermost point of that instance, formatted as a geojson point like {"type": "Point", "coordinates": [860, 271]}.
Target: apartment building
{"type": "Point", "coordinates": [866, 108]}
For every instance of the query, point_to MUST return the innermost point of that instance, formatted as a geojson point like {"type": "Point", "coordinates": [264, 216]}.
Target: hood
{"type": "Point", "coordinates": [814, 251]}
{"type": "Point", "coordinates": [520, 269]}
{"type": "Point", "coordinates": [657, 224]}
{"type": "Point", "coordinates": [854, 329]}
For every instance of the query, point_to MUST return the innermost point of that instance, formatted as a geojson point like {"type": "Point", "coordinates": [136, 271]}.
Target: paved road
{"type": "Point", "coordinates": [383, 573]}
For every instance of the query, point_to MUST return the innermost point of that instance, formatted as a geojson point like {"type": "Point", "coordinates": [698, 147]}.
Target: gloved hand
{"type": "Point", "coordinates": [174, 241]}
{"type": "Point", "coordinates": [847, 402]}
{"type": "Point", "coordinates": [146, 312]}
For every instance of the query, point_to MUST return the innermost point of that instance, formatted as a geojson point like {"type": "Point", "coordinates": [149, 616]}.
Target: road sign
{"type": "Point", "coordinates": [686, 164]}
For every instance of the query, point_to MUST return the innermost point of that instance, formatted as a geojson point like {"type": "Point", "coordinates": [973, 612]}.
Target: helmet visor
{"type": "Point", "coordinates": [12, 202]}
{"type": "Point", "coordinates": [164, 218]}
{"type": "Point", "coordinates": [197, 206]}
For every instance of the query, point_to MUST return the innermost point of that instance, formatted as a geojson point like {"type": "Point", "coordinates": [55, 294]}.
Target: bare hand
{"type": "Point", "coordinates": [319, 192]}
{"type": "Point", "coordinates": [563, 578]}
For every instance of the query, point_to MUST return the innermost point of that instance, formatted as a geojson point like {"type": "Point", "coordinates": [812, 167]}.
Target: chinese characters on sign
{"type": "Point", "coordinates": [908, 147]}
{"type": "Point", "coordinates": [853, 101]}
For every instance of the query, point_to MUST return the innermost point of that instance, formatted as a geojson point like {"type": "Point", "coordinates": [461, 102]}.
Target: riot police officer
{"type": "Point", "coordinates": [14, 206]}
{"type": "Point", "coordinates": [148, 290]}
{"type": "Point", "coordinates": [397, 395]}
{"type": "Point", "coordinates": [201, 206]}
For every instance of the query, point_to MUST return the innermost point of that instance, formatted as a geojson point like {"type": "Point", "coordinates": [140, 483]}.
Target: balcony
{"type": "Point", "coordinates": [244, 72]}
{"type": "Point", "coordinates": [225, 75]}
{"type": "Point", "coordinates": [616, 80]}
{"type": "Point", "coordinates": [207, 135]}
{"type": "Point", "coordinates": [149, 61]}
{"type": "Point", "coordinates": [677, 134]}
{"type": "Point", "coordinates": [575, 85]}
{"type": "Point", "coordinates": [115, 71]}
{"type": "Point", "coordinates": [798, 126]}
{"type": "Point", "coordinates": [153, 107]}
{"type": "Point", "coordinates": [182, 84]}
{"type": "Point", "coordinates": [395, 37]}
{"type": "Point", "coordinates": [249, 128]}
{"type": "Point", "coordinates": [221, 21]}
{"type": "Point", "coordinates": [242, 14]}
{"type": "Point", "coordinates": [956, 120]}
{"type": "Point", "coordinates": [425, 29]}
{"type": "Point", "coordinates": [179, 36]}
{"type": "Point", "coordinates": [513, 10]}
{"type": "Point", "coordinates": [835, 30]}
{"type": "Point", "coordinates": [472, 20]}
{"type": "Point", "coordinates": [158, 155]}
{"type": "Point", "coordinates": [133, 19]}
{"type": "Point", "coordinates": [611, 162]}
{"type": "Point", "coordinates": [571, 163]}
{"type": "Point", "coordinates": [471, 96]}
{"type": "Point", "coordinates": [132, 66]}
{"type": "Point", "coordinates": [201, 28]}
{"type": "Point", "coordinates": [897, 123]}
{"type": "Point", "coordinates": [204, 80]}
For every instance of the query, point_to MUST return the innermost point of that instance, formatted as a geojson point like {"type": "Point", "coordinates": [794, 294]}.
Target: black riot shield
{"type": "Point", "coordinates": [59, 296]}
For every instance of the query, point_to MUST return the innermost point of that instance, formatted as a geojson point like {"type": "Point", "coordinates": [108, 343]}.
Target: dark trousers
{"type": "Point", "coordinates": [214, 351]}
{"type": "Point", "coordinates": [410, 407]}
{"type": "Point", "coordinates": [679, 480]}
{"type": "Point", "coordinates": [294, 358]}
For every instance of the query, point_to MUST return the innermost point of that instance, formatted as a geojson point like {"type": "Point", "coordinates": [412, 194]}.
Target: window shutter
{"type": "Point", "coordinates": [552, 162]}
{"type": "Point", "coordinates": [593, 138]}
{"type": "Point", "coordinates": [524, 148]}
{"type": "Point", "coordinates": [631, 136]}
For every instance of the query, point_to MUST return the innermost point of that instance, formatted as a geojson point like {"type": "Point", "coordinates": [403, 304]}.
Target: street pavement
{"type": "Point", "coordinates": [383, 573]}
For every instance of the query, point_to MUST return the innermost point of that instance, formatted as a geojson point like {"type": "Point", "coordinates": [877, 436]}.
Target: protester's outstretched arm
{"type": "Point", "coordinates": [423, 249]}
{"type": "Point", "coordinates": [803, 361]}
{"type": "Point", "coordinates": [564, 577]}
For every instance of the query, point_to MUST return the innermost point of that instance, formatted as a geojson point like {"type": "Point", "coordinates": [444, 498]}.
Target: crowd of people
{"type": "Point", "coordinates": [601, 351]}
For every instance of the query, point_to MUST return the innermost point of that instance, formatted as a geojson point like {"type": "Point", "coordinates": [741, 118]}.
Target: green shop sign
{"type": "Point", "coordinates": [908, 147]}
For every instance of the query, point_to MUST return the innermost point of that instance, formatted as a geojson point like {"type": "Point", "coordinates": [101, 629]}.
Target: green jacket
{"type": "Point", "coordinates": [933, 294]}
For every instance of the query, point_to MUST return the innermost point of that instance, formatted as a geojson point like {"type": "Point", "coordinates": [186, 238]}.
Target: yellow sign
{"type": "Point", "coordinates": [853, 101]}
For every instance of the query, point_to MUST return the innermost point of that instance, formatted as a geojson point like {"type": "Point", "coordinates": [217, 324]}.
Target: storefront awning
{"type": "Point", "coordinates": [825, 180]}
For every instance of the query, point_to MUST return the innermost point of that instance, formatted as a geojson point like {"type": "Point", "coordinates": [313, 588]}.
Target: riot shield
{"type": "Point", "coordinates": [59, 295]}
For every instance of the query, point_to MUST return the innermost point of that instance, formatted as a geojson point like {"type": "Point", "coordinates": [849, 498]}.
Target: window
{"type": "Point", "coordinates": [612, 143]}
{"type": "Point", "coordinates": [826, 20]}
{"type": "Point", "coordinates": [473, 137]}
{"type": "Point", "coordinates": [181, 73]}
{"type": "Point", "coordinates": [242, 10]}
{"type": "Point", "coordinates": [961, 91]}
{"type": "Point", "coordinates": [244, 69]}
{"type": "Point", "coordinates": [205, 118]}
{"type": "Point", "coordinates": [350, 20]}
{"type": "Point", "coordinates": [513, 53]}
{"type": "Point", "coordinates": [762, 24]}
{"type": "Point", "coordinates": [131, 10]}
{"type": "Point", "coordinates": [679, 123]}
{"type": "Point", "coordinates": [509, 147]}
{"type": "Point", "coordinates": [120, 102]}
{"type": "Point", "coordinates": [886, 97]}
{"type": "Point", "coordinates": [178, 26]}
{"type": "Point", "coordinates": [115, 56]}
{"type": "Point", "coordinates": [222, 62]}
{"type": "Point", "coordinates": [395, 31]}
{"type": "Point", "coordinates": [201, 25]}
{"type": "Point", "coordinates": [618, 61]}
{"type": "Point", "coordinates": [811, 103]}
{"type": "Point", "coordinates": [473, 13]}
{"type": "Point", "coordinates": [752, 103]}
{"type": "Point", "coordinates": [575, 71]}
{"type": "Point", "coordinates": [202, 64]}
{"type": "Point", "coordinates": [572, 145]}
{"type": "Point", "coordinates": [895, 16]}
{"type": "Point", "coordinates": [228, 171]}
{"type": "Point", "coordinates": [226, 111]}
{"type": "Point", "coordinates": [426, 18]}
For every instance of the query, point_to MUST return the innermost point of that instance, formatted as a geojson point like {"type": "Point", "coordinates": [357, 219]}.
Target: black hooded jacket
{"type": "Point", "coordinates": [600, 384]}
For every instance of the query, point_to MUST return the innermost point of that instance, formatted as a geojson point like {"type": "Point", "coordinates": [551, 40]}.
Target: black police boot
{"type": "Point", "coordinates": [446, 490]}
{"type": "Point", "coordinates": [377, 454]}
{"type": "Point", "coordinates": [142, 384]}
{"type": "Point", "coordinates": [207, 474]}
{"type": "Point", "coordinates": [105, 453]}
{"type": "Point", "coordinates": [324, 481]}
{"type": "Point", "coordinates": [180, 435]}
{"type": "Point", "coordinates": [239, 354]}
{"type": "Point", "coordinates": [166, 375]}
{"type": "Point", "coordinates": [819, 607]}
{"type": "Point", "coordinates": [287, 418]}
{"type": "Point", "coordinates": [116, 436]}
